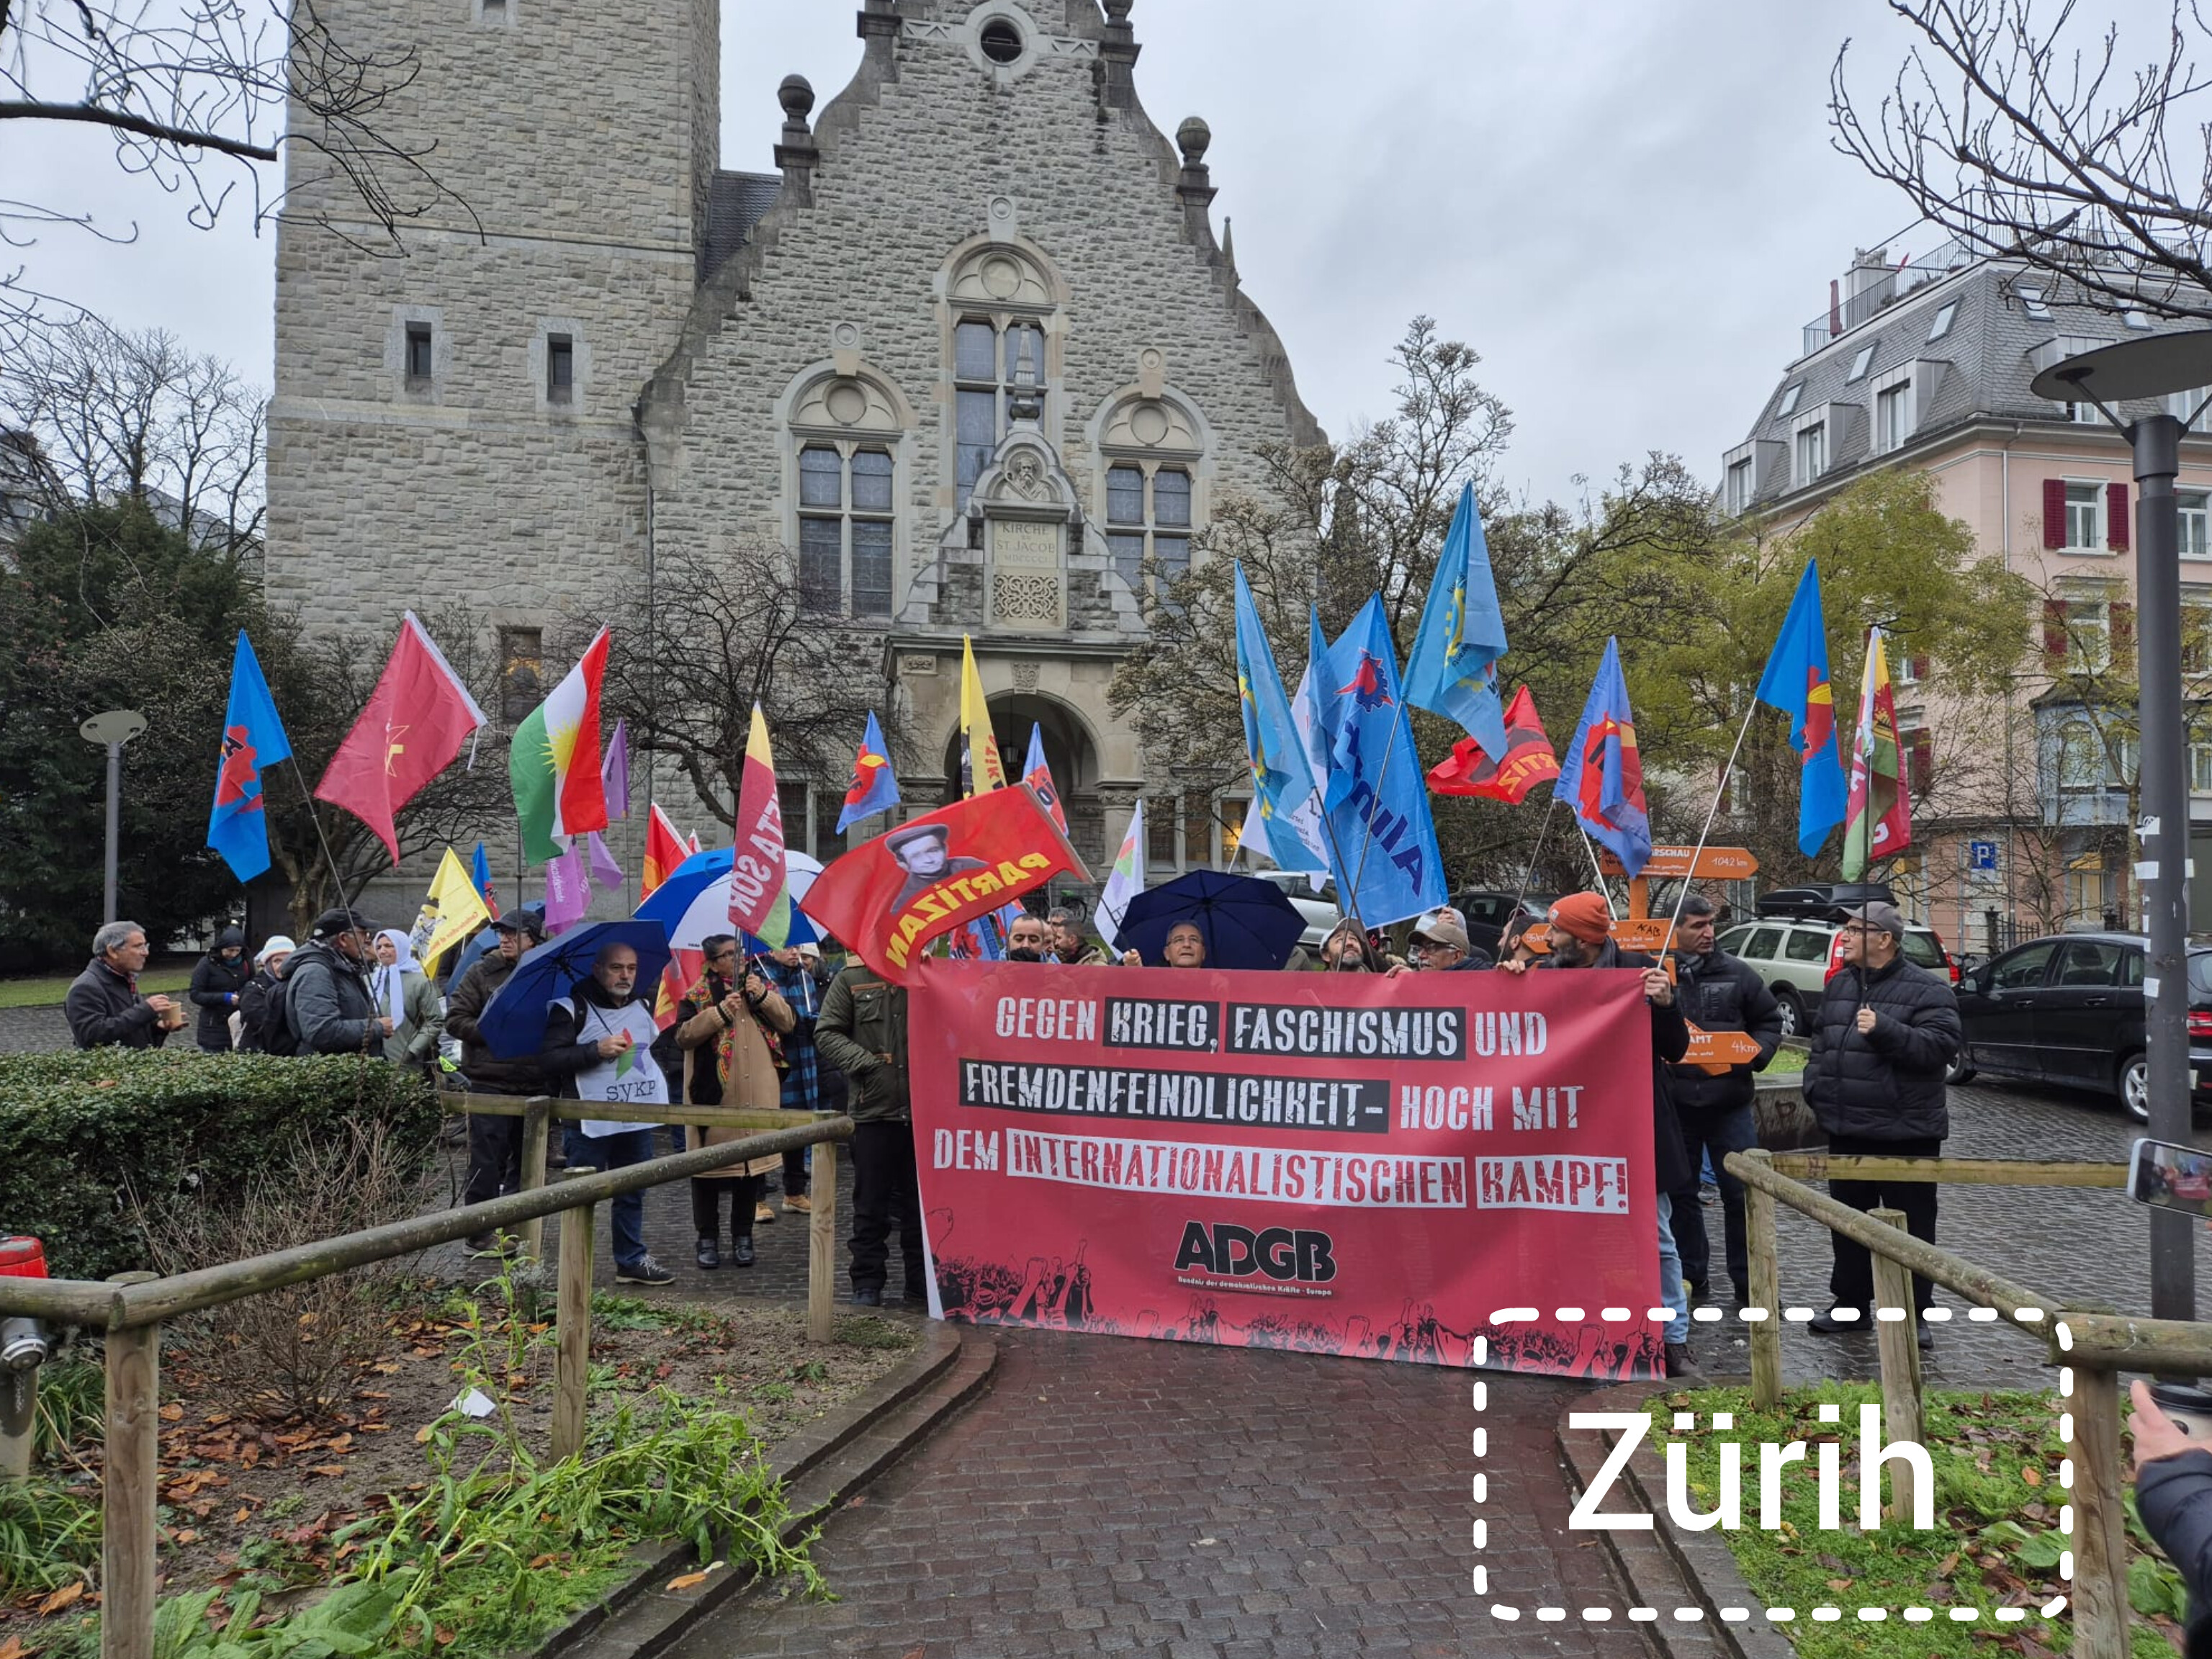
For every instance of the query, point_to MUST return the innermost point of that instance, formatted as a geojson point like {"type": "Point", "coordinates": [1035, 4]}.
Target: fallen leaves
{"type": "Point", "coordinates": [693, 1580]}
{"type": "Point", "coordinates": [13, 1647]}
{"type": "Point", "coordinates": [67, 1596]}
{"type": "Point", "coordinates": [173, 1412]}
{"type": "Point", "coordinates": [2032, 1475]}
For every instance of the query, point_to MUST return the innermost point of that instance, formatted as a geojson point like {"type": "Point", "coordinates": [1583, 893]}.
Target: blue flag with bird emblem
{"type": "Point", "coordinates": [1389, 866]}
{"type": "Point", "coordinates": [252, 740]}
{"type": "Point", "coordinates": [1453, 669]}
{"type": "Point", "coordinates": [1281, 780]}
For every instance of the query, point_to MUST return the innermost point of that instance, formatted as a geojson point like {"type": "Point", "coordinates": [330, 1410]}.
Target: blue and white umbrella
{"type": "Point", "coordinates": [694, 903]}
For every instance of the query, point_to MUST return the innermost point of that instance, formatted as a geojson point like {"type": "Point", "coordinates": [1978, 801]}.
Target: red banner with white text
{"type": "Point", "coordinates": [1386, 1168]}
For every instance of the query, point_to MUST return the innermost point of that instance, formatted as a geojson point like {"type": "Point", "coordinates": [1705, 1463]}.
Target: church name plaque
{"type": "Point", "coordinates": [1025, 545]}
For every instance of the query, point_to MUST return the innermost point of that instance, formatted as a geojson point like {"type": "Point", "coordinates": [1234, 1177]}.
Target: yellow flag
{"type": "Point", "coordinates": [460, 910]}
{"type": "Point", "coordinates": [980, 771]}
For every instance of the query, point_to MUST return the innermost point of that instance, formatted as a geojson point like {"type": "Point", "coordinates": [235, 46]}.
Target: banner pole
{"type": "Point", "coordinates": [338, 881]}
{"type": "Point", "coordinates": [1529, 874]}
{"type": "Point", "coordinates": [1712, 812]}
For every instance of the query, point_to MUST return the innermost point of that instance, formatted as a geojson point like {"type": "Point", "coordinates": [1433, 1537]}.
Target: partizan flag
{"type": "Point", "coordinates": [1528, 759]}
{"type": "Point", "coordinates": [1878, 818]}
{"type": "Point", "coordinates": [980, 769]}
{"type": "Point", "coordinates": [760, 903]}
{"type": "Point", "coordinates": [416, 719]}
{"type": "Point", "coordinates": [1036, 772]}
{"type": "Point", "coordinates": [480, 874]}
{"type": "Point", "coordinates": [253, 740]}
{"type": "Point", "coordinates": [554, 764]}
{"type": "Point", "coordinates": [1796, 682]}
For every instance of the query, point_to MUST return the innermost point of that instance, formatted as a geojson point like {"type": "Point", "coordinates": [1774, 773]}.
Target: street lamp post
{"type": "Point", "coordinates": [2132, 371]}
{"type": "Point", "coordinates": [113, 729]}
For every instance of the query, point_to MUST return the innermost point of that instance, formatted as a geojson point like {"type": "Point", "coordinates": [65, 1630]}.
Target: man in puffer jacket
{"type": "Point", "coordinates": [2174, 1492]}
{"type": "Point", "coordinates": [1885, 1035]}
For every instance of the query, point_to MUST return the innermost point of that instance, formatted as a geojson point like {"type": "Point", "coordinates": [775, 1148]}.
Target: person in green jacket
{"type": "Point", "coordinates": [403, 991]}
{"type": "Point", "coordinates": [861, 1031]}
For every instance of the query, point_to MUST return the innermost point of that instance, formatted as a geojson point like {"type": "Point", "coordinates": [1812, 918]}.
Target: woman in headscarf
{"type": "Point", "coordinates": [402, 991]}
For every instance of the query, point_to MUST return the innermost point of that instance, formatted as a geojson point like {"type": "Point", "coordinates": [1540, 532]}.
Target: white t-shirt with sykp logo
{"type": "Point", "coordinates": [633, 1077]}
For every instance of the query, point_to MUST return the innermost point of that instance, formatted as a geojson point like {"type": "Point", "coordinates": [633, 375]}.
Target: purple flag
{"type": "Point", "coordinates": [567, 892]}
{"type": "Point", "coordinates": [614, 774]}
{"type": "Point", "coordinates": [605, 872]}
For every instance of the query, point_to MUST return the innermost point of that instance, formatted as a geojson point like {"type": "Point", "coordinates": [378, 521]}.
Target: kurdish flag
{"type": "Point", "coordinates": [980, 769]}
{"type": "Point", "coordinates": [1878, 818]}
{"type": "Point", "coordinates": [760, 895]}
{"type": "Point", "coordinates": [554, 761]}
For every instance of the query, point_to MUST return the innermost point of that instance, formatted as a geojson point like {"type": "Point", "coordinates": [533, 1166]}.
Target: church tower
{"type": "Point", "coordinates": [454, 410]}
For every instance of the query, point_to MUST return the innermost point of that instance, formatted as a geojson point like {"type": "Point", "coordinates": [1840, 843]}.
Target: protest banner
{"type": "Point", "coordinates": [1344, 1164]}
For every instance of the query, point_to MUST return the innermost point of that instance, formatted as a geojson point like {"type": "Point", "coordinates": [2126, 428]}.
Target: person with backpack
{"type": "Point", "coordinates": [495, 1142]}
{"type": "Point", "coordinates": [252, 1024]}
{"type": "Point", "coordinates": [217, 979]}
{"type": "Point", "coordinates": [327, 1007]}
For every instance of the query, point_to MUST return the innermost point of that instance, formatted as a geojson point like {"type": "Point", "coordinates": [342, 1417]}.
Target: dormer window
{"type": "Point", "coordinates": [1789, 396]}
{"type": "Point", "coordinates": [2032, 301]}
{"type": "Point", "coordinates": [1740, 483]}
{"type": "Point", "coordinates": [1945, 314]}
{"type": "Point", "coordinates": [1811, 455]}
{"type": "Point", "coordinates": [1863, 361]}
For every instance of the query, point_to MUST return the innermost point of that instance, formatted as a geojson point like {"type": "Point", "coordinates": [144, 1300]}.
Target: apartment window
{"type": "Point", "coordinates": [1740, 480]}
{"type": "Point", "coordinates": [1945, 315]}
{"type": "Point", "coordinates": [986, 362]}
{"type": "Point", "coordinates": [1863, 361]}
{"type": "Point", "coordinates": [1812, 452]}
{"type": "Point", "coordinates": [521, 669]}
{"type": "Point", "coordinates": [2085, 518]}
{"type": "Point", "coordinates": [559, 368]}
{"type": "Point", "coordinates": [1893, 418]}
{"type": "Point", "coordinates": [2200, 768]}
{"type": "Point", "coordinates": [2196, 632]}
{"type": "Point", "coordinates": [2034, 303]}
{"type": "Point", "coordinates": [1789, 395]}
{"type": "Point", "coordinates": [418, 355]}
{"type": "Point", "coordinates": [2089, 634]}
{"type": "Point", "coordinates": [845, 530]}
{"type": "Point", "coordinates": [2137, 320]}
{"type": "Point", "coordinates": [2085, 414]}
{"type": "Point", "coordinates": [2183, 404]}
{"type": "Point", "coordinates": [2196, 523]}
{"type": "Point", "coordinates": [2080, 757]}
{"type": "Point", "coordinates": [1157, 511]}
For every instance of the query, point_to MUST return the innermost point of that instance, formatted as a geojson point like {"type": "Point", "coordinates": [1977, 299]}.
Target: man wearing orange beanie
{"type": "Point", "coordinates": [1582, 937]}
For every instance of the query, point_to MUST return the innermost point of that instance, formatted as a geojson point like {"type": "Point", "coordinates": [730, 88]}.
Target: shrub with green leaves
{"type": "Point", "coordinates": [86, 1132]}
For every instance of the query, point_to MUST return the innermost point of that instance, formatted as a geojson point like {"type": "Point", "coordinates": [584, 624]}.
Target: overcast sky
{"type": "Point", "coordinates": [1628, 208]}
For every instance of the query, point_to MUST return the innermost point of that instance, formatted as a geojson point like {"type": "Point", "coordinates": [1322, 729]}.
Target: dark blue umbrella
{"type": "Point", "coordinates": [1247, 922]}
{"type": "Point", "coordinates": [514, 1021]}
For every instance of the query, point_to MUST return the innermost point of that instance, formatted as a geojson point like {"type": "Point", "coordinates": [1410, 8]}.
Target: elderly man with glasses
{"type": "Point", "coordinates": [1885, 1036]}
{"type": "Point", "coordinates": [1439, 945]}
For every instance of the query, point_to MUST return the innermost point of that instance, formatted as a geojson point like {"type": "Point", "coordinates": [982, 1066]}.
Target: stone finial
{"type": "Point", "coordinates": [796, 94]}
{"type": "Point", "coordinates": [1117, 59]}
{"type": "Point", "coordinates": [1117, 14]}
{"type": "Point", "coordinates": [1194, 137]}
{"type": "Point", "coordinates": [796, 153]}
{"type": "Point", "coordinates": [1195, 184]}
{"type": "Point", "coordinates": [1025, 403]}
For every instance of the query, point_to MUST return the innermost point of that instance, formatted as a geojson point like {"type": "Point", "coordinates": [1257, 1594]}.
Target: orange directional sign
{"type": "Point", "coordinates": [1721, 1050]}
{"type": "Point", "coordinates": [1648, 934]}
{"type": "Point", "coordinates": [1713, 864]}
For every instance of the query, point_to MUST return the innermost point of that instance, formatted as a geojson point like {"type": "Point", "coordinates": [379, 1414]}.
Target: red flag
{"type": "Point", "coordinates": [888, 897]}
{"type": "Point", "coordinates": [758, 881]}
{"type": "Point", "coordinates": [682, 973]}
{"type": "Point", "coordinates": [1528, 759]}
{"type": "Point", "coordinates": [664, 851]}
{"type": "Point", "coordinates": [416, 719]}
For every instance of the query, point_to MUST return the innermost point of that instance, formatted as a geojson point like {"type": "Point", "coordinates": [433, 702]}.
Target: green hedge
{"type": "Point", "coordinates": [79, 1133]}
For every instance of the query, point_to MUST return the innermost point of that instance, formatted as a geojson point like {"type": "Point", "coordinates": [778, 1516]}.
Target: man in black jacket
{"type": "Point", "coordinates": [328, 1009]}
{"type": "Point", "coordinates": [2174, 1493]}
{"type": "Point", "coordinates": [1883, 1040]}
{"type": "Point", "coordinates": [1717, 993]}
{"type": "Point", "coordinates": [495, 1143]}
{"type": "Point", "coordinates": [103, 1005]}
{"type": "Point", "coordinates": [217, 979]}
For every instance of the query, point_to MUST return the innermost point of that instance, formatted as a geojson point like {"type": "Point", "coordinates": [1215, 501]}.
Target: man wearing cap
{"type": "Point", "coordinates": [1439, 945]}
{"type": "Point", "coordinates": [327, 1004]}
{"type": "Point", "coordinates": [495, 1143]}
{"type": "Point", "coordinates": [1718, 993]}
{"type": "Point", "coordinates": [1884, 1038]}
{"type": "Point", "coordinates": [924, 853]}
{"type": "Point", "coordinates": [1582, 937]}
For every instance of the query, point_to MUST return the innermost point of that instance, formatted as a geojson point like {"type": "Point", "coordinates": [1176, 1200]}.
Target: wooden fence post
{"type": "Point", "coordinates": [572, 1363]}
{"type": "Point", "coordinates": [2100, 1570]}
{"type": "Point", "coordinates": [822, 1243]}
{"type": "Point", "coordinates": [536, 1133]}
{"type": "Point", "coordinates": [19, 1423]}
{"type": "Point", "coordinates": [1898, 1346]}
{"type": "Point", "coordinates": [129, 1480]}
{"type": "Point", "coordinates": [1765, 1292]}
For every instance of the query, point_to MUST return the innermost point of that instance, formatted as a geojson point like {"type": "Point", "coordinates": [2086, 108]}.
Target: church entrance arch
{"type": "Point", "coordinates": [1069, 750]}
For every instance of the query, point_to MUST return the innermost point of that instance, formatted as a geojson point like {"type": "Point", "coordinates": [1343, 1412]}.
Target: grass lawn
{"type": "Point", "coordinates": [47, 990]}
{"type": "Point", "coordinates": [1995, 1545]}
{"type": "Point", "coordinates": [1786, 1060]}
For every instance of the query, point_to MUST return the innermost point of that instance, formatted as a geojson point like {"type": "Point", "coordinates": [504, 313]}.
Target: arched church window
{"type": "Point", "coordinates": [846, 516]}
{"type": "Point", "coordinates": [1148, 518]}
{"type": "Point", "coordinates": [986, 365]}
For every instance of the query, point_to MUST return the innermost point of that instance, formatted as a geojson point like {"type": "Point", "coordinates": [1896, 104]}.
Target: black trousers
{"type": "Point", "coordinates": [1732, 1129]}
{"type": "Point", "coordinates": [886, 1195]}
{"type": "Point", "coordinates": [744, 1193]}
{"type": "Point", "coordinates": [495, 1157]}
{"type": "Point", "coordinates": [1851, 1283]}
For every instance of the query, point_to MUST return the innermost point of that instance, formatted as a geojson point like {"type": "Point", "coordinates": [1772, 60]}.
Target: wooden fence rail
{"type": "Point", "coordinates": [131, 1309]}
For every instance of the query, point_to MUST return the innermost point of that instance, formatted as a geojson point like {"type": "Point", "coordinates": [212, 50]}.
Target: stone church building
{"type": "Point", "coordinates": [969, 359]}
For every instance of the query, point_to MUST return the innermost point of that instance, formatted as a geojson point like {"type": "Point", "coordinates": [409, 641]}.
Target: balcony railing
{"type": "Point", "coordinates": [1879, 288]}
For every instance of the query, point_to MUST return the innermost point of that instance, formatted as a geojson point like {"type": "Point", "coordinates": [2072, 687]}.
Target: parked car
{"type": "Point", "coordinates": [1486, 912]}
{"type": "Point", "coordinates": [1319, 908]}
{"type": "Point", "coordinates": [1792, 954]}
{"type": "Point", "coordinates": [2069, 1010]}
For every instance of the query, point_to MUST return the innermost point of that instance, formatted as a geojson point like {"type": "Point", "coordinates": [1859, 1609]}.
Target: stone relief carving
{"type": "Point", "coordinates": [849, 402]}
{"type": "Point", "coordinates": [1155, 423]}
{"type": "Point", "coordinates": [1001, 276]}
{"type": "Point", "coordinates": [1022, 598]}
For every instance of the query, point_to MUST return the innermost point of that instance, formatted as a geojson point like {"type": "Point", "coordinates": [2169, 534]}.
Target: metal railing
{"type": "Point", "coordinates": [129, 1310]}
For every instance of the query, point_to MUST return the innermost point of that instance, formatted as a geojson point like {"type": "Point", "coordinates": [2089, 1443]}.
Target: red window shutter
{"type": "Point", "coordinates": [1919, 668]}
{"type": "Point", "coordinates": [2116, 520]}
{"type": "Point", "coordinates": [2054, 512]}
{"type": "Point", "coordinates": [1922, 761]}
{"type": "Point", "coordinates": [2054, 627]}
{"type": "Point", "coordinates": [2123, 628]}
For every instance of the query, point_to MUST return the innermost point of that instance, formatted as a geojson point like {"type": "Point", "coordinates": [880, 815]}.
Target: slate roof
{"type": "Point", "coordinates": [1988, 356]}
{"type": "Point", "coordinates": [735, 203]}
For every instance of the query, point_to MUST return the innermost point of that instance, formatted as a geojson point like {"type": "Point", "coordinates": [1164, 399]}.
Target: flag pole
{"type": "Point", "coordinates": [1598, 871]}
{"type": "Point", "coordinates": [1528, 874]}
{"type": "Point", "coordinates": [1367, 833]}
{"type": "Point", "coordinates": [1712, 812]}
{"type": "Point", "coordinates": [337, 881]}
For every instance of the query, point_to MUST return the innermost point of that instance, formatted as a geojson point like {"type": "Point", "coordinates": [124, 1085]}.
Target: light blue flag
{"type": "Point", "coordinates": [1281, 781]}
{"type": "Point", "coordinates": [1309, 707]}
{"type": "Point", "coordinates": [1453, 670]}
{"type": "Point", "coordinates": [1378, 809]}
{"type": "Point", "coordinates": [252, 740]}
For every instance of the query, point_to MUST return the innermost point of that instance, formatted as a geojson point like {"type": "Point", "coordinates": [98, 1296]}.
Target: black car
{"type": "Point", "coordinates": [1486, 912]}
{"type": "Point", "coordinates": [2069, 1010]}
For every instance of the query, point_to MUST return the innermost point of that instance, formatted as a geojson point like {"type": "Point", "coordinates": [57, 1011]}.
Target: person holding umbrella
{"type": "Point", "coordinates": [1205, 919]}
{"type": "Point", "coordinates": [720, 1027]}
